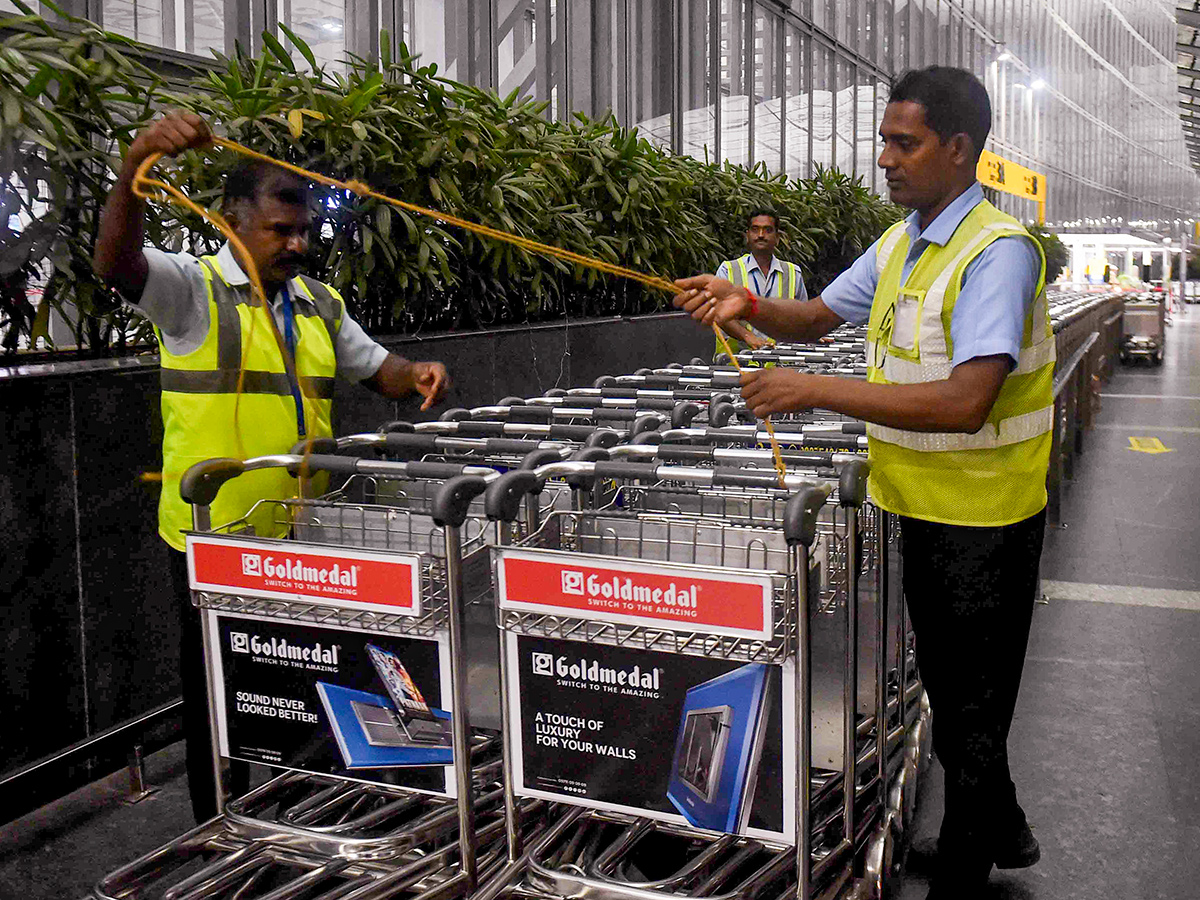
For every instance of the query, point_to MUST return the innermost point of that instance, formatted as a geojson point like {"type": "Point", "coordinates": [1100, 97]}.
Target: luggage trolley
{"type": "Point", "coordinates": [767, 537]}
{"type": "Point", "coordinates": [372, 572]}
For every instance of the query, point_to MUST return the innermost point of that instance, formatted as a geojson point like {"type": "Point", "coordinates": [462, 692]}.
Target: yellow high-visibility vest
{"type": "Point", "coordinates": [739, 274]}
{"type": "Point", "coordinates": [996, 476]}
{"type": "Point", "coordinates": [199, 393]}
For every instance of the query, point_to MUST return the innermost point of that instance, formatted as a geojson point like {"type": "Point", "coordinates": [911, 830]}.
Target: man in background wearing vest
{"type": "Point", "coordinates": [759, 271]}
{"type": "Point", "coordinates": [959, 404]}
{"type": "Point", "coordinates": [207, 330]}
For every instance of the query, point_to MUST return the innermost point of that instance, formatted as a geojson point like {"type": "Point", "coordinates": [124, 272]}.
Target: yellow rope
{"type": "Point", "coordinates": [780, 468]}
{"type": "Point", "coordinates": [142, 184]}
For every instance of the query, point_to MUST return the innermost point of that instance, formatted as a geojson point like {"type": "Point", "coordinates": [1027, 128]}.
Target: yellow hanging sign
{"type": "Point", "coordinates": [1148, 445]}
{"type": "Point", "coordinates": [995, 171]}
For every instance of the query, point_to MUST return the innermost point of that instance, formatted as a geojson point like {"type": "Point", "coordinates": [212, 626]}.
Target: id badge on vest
{"type": "Point", "coordinates": [906, 323]}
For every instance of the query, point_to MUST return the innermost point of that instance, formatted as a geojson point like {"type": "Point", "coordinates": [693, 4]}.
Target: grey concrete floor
{"type": "Point", "coordinates": [1105, 746]}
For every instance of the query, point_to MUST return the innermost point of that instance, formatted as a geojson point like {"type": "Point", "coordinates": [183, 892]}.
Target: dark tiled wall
{"type": "Point", "coordinates": [90, 632]}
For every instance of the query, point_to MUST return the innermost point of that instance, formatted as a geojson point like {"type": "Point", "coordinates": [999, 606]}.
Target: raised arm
{"type": "Point", "coordinates": [119, 259]}
{"type": "Point", "coordinates": [709, 299]}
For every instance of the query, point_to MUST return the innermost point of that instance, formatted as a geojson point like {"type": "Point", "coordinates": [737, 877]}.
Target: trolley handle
{"type": "Point", "coordinates": [453, 499]}
{"type": "Point", "coordinates": [316, 445]}
{"type": "Point", "coordinates": [603, 437]}
{"type": "Point", "coordinates": [201, 482]}
{"type": "Point", "coordinates": [852, 483]}
{"type": "Point", "coordinates": [720, 413]}
{"type": "Point", "coordinates": [728, 477]}
{"type": "Point", "coordinates": [537, 458]}
{"type": "Point", "coordinates": [457, 414]}
{"type": "Point", "coordinates": [683, 413]}
{"type": "Point", "coordinates": [651, 438]}
{"type": "Point", "coordinates": [589, 455]}
{"type": "Point", "coordinates": [800, 515]}
{"type": "Point", "coordinates": [503, 497]}
{"type": "Point", "coordinates": [397, 427]}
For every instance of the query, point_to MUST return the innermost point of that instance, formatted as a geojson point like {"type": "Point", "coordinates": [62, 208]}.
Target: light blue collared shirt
{"type": "Point", "coordinates": [997, 289]}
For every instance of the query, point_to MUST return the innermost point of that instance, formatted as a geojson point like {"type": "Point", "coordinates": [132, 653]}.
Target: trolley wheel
{"type": "Point", "coordinates": [1156, 360]}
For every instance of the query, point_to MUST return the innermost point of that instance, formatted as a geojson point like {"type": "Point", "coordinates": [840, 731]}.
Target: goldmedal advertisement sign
{"type": "Point", "coordinates": [332, 701]}
{"type": "Point", "coordinates": [682, 739]}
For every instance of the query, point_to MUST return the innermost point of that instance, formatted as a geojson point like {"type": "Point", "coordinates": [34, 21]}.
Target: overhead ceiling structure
{"type": "Point", "coordinates": [1187, 17]}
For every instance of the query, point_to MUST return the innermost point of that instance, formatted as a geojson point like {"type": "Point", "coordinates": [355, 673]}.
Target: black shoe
{"type": "Point", "coordinates": [1021, 854]}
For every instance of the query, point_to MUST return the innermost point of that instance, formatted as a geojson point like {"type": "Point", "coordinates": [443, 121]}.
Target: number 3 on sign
{"type": "Point", "coordinates": [1148, 445]}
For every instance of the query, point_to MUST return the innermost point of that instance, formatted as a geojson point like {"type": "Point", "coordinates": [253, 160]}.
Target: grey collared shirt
{"type": "Point", "coordinates": [175, 299]}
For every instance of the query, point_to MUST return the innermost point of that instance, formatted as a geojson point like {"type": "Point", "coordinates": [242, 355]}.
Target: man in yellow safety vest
{"type": "Point", "coordinates": [209, 334]}
{"type": "Point", "coordinates": [761, 272]}
{"type": "Point", "coordinates": [959, 407]}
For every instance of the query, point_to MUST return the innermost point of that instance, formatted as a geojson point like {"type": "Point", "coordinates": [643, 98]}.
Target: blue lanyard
{"type": "Point", "coordinates": [289, 336]}
{"type": "Point", "coordinates": [755, 274]}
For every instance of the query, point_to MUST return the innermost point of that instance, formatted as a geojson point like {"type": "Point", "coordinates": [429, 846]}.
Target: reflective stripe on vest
{"type": "Point", "coordinates": [1012, 430]}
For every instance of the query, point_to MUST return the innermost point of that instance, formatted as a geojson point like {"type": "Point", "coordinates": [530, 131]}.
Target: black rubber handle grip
{"type": "Point", "coordinates": [457, 414]}
{"type": "Point", "coordinates": [397, 428]}
{"type": "Point", "coordinates": [503, 498]}
{"type": "Point", "coordinates": [604, 381]}
{"type": "Point", "coordinates": [540, 458]}
{"type": "Point", "coordinates": [719, 397]}
{"type": "Point", "coordinates": [648, 422]}
{"type": "Point", "coordinates": [854, 428]}
{"type": "Point", "coordinates": [434, 470]}
{"type": "Point", "coordinates": [721, 359]}
{"type": "Point", "coordinates": [410, 444]}
{"type": "Point", "coordinates": [719, 414]}
{"type": "Point", "coordinates": [648, 437]}
{"type": "Point", "coordinates": [512, 401]}
{"type": "Point", "coordinates": [619, 393]}
{"type": "Point", "coordinates": [587, 454]}
{"type": "Point", "coordinates": [800, 516]}
{"type": "Point", "coordinates": [678, 366]}
{"type": "Point", "coordinates": [530, 414]}
{"type": "Point", "coordinates": [852, 484]}
{"type": "Point", "coordinates": [571, 432]}
{"type": "Point", "coordinates": [684, 453]}
{"type": "Point", "coordinates": [453, 499]}
{"type": "Point", "coordinates": [324, 462]}
{"type": "Point", "coordinates": [836, 441]}
{"type": "Point", "coordinates": [610, 413]}
{"type": "Point", "coordinates": [602, 437]}
{"type": "Point", "coordinates": [643, 371]}
{"type": "Point", "coordinates": [318, 445]}
{"type": "Point", "coordinates": [480, 429]}
{"type": "Point", "coordinates": [201, 482]}
{"type": "Point", "coordinates": [556, 392]}
{"type": "Point", "coordinates": [697, 361]}
{"type": "Point", "coordinates": [683, 413]}
{"type": "Point", "coordinates": [745, 478]}
{"type": "Point", "coordinates": [510, 445]}
{"type": "Point", "coordinates": [813, 460]}
{"type": "Point", "coordinates": [627, 471]}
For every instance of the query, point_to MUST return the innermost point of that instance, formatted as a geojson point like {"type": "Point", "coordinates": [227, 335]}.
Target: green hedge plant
{"type": "Point", "coordinates": [72, 102]}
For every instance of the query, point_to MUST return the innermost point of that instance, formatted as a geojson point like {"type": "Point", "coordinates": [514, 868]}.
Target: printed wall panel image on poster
{"type": "Point", "coordinates": [333, 701]}
{"type": "Point", "coordinates": [682, 739]}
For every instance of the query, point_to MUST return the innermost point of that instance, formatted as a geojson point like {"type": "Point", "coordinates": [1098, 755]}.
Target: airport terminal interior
{"type": "Point", "coordinates": [562, 610]}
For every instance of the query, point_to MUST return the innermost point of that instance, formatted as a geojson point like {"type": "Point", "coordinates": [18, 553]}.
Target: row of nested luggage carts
{"type": "Point", "coordinates": [662, 472]}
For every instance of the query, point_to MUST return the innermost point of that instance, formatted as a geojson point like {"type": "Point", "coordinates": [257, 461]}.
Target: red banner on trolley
{"type": "Point", "coordinates": [358, 579]}
{"type": "Point", "coordinates": [636, 593]}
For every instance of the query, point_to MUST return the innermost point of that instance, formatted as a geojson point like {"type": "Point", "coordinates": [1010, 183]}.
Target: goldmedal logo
{"type": "Point", "coordinates": [595, 587]}
{"type": "Point", "coordinates": [634, 681]}
{"type": "Point", "coordinates": [255, 565]}
{"type": "Point", "coordinates": [314, 655]}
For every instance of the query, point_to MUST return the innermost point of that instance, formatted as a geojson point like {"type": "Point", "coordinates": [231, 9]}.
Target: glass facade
{"type": "Point", "coordinates": [1082, 90]}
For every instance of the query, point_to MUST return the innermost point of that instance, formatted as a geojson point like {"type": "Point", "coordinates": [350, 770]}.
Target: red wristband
{"type": "Point", "coordinates": [753, 303]}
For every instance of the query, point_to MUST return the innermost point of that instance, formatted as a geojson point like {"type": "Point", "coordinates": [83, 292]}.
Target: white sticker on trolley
{"type": "Point", "coordinates": [355, 579]}
{"type": "Point", "coordinates": [687, 598]}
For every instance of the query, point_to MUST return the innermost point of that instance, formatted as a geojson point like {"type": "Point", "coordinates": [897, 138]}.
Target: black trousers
{"type": "Point", "coordinates": [970, 594]}
{"type": "Point", "coordinates": [196, 731]}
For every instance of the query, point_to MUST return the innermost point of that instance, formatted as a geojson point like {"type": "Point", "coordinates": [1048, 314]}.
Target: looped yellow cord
{"type": "Point", "coordinates": [780, 468]}
{"type": "Point", "coordinates": [361, 189]}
